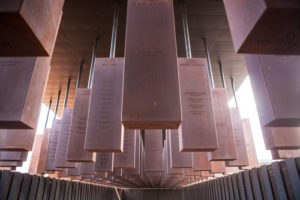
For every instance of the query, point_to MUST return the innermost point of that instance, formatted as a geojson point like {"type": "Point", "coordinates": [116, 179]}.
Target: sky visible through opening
{"type": "Point", "coordinates": [246, 105]}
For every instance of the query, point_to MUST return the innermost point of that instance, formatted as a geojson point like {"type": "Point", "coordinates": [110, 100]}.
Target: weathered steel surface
{"type": "Point", "coordinates": [218, 167]}
{"type": "Point", "coordinates": [76, 152]}
{"type": "Point", "coordinates": [28, 33]}
{"type": "Point", "coordinates": [276, 102]}
{"type": "Point", "coordinates": [74, 171]}
{"type": "Point", "coordinates": [16, 139]}
{"type": "Point", "coordinates": [178, 159]}
{"type": "Point", "coordinates": [104, 127]}
{"type": "Point", "coordinates": [127, 158]}
{"type": "Point", "coordinates": [252, 27]}
{"type": "Point", "coordinates": [242, 156]}
{"type": "Point", "coordinates": [151, 87]}
{"type": "Point", "coordinates": [283, 154]}
{"type": "Point", "coordinates": [43, 153]}
{"type": "Point", "coordinates": [226, 149]}
{"type": "Point", "coordinates": [22, 84]}
{"type": "Point", "coordinates": [104, 162]}
{"type": "Point", "coordinates": [281, 138]}
{"type": "Point", "coordinates": [198, 130]}
{"type": "Point", "coordinates": [86, 168]}
{"type": "Point", "coordinates": [167, 161]}
{"type": "Point", "coordinates": [200, 161]}
{"type": "Point", "coordinates": [252, 157]}
{"type": "Point", "coordinates": [35, 154]}
{"type": "Point", "coordinates": [137, 168]}
{"type": "Point", "coordinates": [13, 155]}
{"type": "Point", "coordinates": [63, 139]}
{"type": "Point", "coordinates": [153, 160]}
{"type": "Point", "coordinates": [191, 172]}
{"type": "Point", "coordinates": [52, 146]}
{"type": "Point", "coordinates": [11, 163]}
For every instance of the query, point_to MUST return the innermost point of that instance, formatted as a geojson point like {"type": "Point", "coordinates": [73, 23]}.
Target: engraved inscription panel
{"type": "Point", "coordinates": [226, 149]}
{"type": "Point", "coordinates": [76, 152]}
{"type": "Point", "coordinates": [16, 139]}
{"type": "Point", "coordinates": [86, 168]}
{"type": "Point", "coordinates": [252, 26]}
{"type": "Point", "coordinates": [63, 139]}
{"type": "Point", "coordinates": [153, 159]}
{"type": "Point", "coordinates": [178, 159]}
{"type": "Point", "coordinates": [197, 131]}
{"type": "Point", "coordinates": [104, 127]}
{"type": "Point", "coordinates": [104, 162]}
{"type": "Point", "coordinates": [52, 146]}
{"type": "Point", "coordinates": [127, 158]}
{"type": "Point", "coordinates": [151, 87]}
{"type": "Point", "coordinates": [242, 156]}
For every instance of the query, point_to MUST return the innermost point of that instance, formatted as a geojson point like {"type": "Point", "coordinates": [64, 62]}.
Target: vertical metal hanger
{"type": "Point", "coordinates": [49, 108]}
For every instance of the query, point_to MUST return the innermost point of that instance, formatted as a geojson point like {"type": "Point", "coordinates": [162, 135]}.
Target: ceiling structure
{"type": "Point", "coordinates": [84, 20]}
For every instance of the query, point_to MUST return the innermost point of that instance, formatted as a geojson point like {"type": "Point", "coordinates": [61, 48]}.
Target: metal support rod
{"type": "Point", "coordinates": [186, 31]}
{"type": "Point", "coordinates": [93, 62]}
{"type": "Point", "coordinates": [113, 43]}
{"type": "Point", "coordinates": [57, 103]}
{"type": "Point", "coordinates": [222, 75]}
{"type": "Point", "coordinates": [67, 92]}
{"type": "Point", "coordinates": [49, 107]}
{"type": "Point", "coordinates": [211, 79]}
{"type": "Point", "coordinates": [234, 91]}
{"type": "Point", "coordinates": [79, 74]}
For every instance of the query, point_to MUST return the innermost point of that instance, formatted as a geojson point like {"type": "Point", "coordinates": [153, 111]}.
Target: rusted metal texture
{"type": "Point", "coordinates": [151, 97]}
{"type": "Point", "coordinates": [198, 130]}
{"type": "Point", "coordinates": [22, 85]}
{"type": "Point", "coordinates": [29, 33]}
{"type": "Point", "coordinates": [16, 139]}
{"type": "Point", "coordinates": [104, 128]}
{"type": "Point", "coordinates": [252, 27]}
{"type": "Point", "coordinates": [104, 162]}
{"type": "Point", "coordinates": [153, 157]}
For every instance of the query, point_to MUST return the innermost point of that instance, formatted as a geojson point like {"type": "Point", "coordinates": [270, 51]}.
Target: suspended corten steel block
{"type": "Point", "coordinates": [226, 149]}
{"type": "Point", "coordinates": [252, 158]}
{"type": "Point", "coordinates": [34, 161]}
{"type": "Point", "coordinates": [127, 158]}
{"type": "Point", "coordinates": [252, 26]}
{"type": "Point", "coordinates": [11, 163]}
{"type": "Point", "coordinates": [138, 146]}
{"type": "Point", "coordinates": [74, 171]}
{"type": "Point", "coordinates": [29, 33]}
{"type": "Point", "coordinates": [284, 154]}
{"type": "Point", "coordinates": [153, 160]}
{"type": "Point", "coordinates": [22, 84]}
{"type": "Point", "coordinates": [13, 155]}
{"type": "Point", "coordinates": [277, 102]}
{"type": "Point", "coordinates": [197, 131]}
{"type": "Point", "coordinates": [191, 172]}
{"type": "Point", "coordinates": [151, 97]}
{"type": "Point", "coordinates": [43, 152]}
{"type": "Point", "coordinates": [52, 146]}
{"type": "Point", "coordinates": [242, 156]}
{"type": "Point", "coordinates": [218, 167]}
{"type": "Point", "coordinates": [104, 162]}
{"type": "Point", "coordinates": [63, 139]}
{"type": "Point", "coordinates": [16, 139]}
{"type": "Point", "coordinates": [281, 138]}
{"type": "Point", "coordinates": [167, 161]}
{"type": "Point", "coordinates": [200, 161]}
{"type": "Point", "coordinates": [86, 168]}
{"type": "Point", "coordinates": [75, 152]}
{"type": "Point", "coordinates": [104, 128]}
{"type": "Point", "coordinates": [178, 159]}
